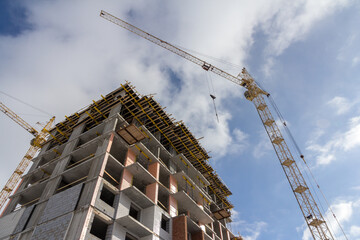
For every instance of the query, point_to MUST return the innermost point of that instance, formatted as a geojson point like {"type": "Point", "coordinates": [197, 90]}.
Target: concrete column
{"type": "Point", "coordinates": [115, 110]}
{"type": "Point", "coordinates": [152, 190]}
{"type": "Point", "coordinates": [154, 169]}
{"type": "Point", "coordinates": [228, 234]}
{"type": "Point", "coordinates": [173, 184]}
{"type": "Point", "coordinates": [179, 228]}
{"type": "Point", "coordinates": [202, 226]}
{"type": "Point", "coordinates": [173, 206]}
{"type": "Point", "coordinates": [126, 179]}
{"type": "Point", "coordinates": [200, 203]}
{"type": "Point", "coordinates": [96, 171]}
{"type": "Point", "coordinates": [130, 158]}
{"type": "Point", "coordinates": [212, 228]}
{"type": "Point", "coordinates": [218, 229]}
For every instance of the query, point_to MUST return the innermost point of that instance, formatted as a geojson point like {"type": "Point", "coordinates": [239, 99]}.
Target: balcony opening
{"type": "Point", "coordinates": [98, 228]}
{"type": "Point", "coordinates": [164, 178]}
{"type": "Point", "coordinates": [163, 200]}
{"type": "Point", "coordinates": [107, 196]}
{"type": "Point", "coordinates": [112, 173]}
{"type": "Point", "coordinates": [165, 223]}
{"type": "Point", "coordinates": [67, 182]}
{"type": "Point", "coordinates": [140, 185]}
{"type": "Point", "coordinates": [50, 156]}
{"type": "Point", "coordinates": [118, 150]}
{"type": "Point", "coordinates": [134, 212]}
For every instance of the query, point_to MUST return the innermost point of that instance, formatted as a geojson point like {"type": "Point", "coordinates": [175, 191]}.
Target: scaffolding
{"type": "Point", "coordinates": [144, 110]}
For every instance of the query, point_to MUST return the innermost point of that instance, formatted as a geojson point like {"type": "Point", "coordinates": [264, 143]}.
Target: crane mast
{"type": "Point", "coordinates": [309, 208]}
{"type": "Point", "coordinates": [40, 137]}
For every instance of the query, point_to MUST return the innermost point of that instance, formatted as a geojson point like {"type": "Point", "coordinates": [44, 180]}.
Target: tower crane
{"type": "Point", "coordinates": [40, 137]}
{"type": "Point", "coordinates": [309, 208]}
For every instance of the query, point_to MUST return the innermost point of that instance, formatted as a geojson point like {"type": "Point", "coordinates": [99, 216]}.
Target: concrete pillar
{"type": "Point", "coordinates": [173, 184]}
{"type": "Point", "coordinates": [152, 190]}
{"type": "Point", "coordinates": [173, 206]}
{"type": "Point", "coordinates": [179, 228]}
{"type": "Point", "coordinates": [126, 179]}
{"type": "Point", "coordinates": [115, 110]}
{"type": "Point", "coordinates": [97, 169]}
{"type": "Point", "coordinates": [202, 226]}
{"type": "Point", "coordinates": [200, 203]}
{"type": "Point", "coordinates": [154, 169]}
{"type": "Point", "coordinates": [212, 228]}
{"type": "Point", "coordinates": [130, 158]}
{"type": "Point", "coordinates": [218, 229]}
{"type": "Point", "coordinates": [228, 234]}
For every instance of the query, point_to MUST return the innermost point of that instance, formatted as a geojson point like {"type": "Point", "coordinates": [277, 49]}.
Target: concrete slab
{"type": "Point", "coordinates": [134, 226]}
{"type": "Point", "coordinates": [186, 203]}
{"type": "Point", "coordinates": [192, 226]}
{"type": "Point", "coordinates": [138, 197]}
{"type": "Point", "coordinates": [31, 193]}
{"type": "Point", "coordinates": [192, 171]}
{"type": "Point", "coordinates": [141, 173]}
{"type": "Point", "coordinates": [179, 176]}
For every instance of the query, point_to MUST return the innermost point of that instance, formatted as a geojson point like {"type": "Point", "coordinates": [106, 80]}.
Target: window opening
{"type": "Point", "coordinates": [134, 212]}
{"type": "Point", "coordinates": [98, 228]}
{"type": "Point", "coordinates": [107, 196]}
{"type": "Point", "coordinates": [165, 223]}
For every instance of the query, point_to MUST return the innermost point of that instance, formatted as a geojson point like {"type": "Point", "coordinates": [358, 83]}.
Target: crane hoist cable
{"type": "Point", "coordinates": [212, 93]}
{"type": "Point", "coordinates": [23, 102]}
{"type": "Point", "coordinates": [301, 155]}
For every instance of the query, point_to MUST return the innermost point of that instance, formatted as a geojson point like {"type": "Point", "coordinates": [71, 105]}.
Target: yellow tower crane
{"type": "Point", "coordinates": [36, 143]}
{"type": "Point", "coordinates": [309, 208]}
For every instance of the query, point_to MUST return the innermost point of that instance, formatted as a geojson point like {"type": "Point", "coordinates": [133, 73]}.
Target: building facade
{"type": "Point", "coordinates": [121, 168]}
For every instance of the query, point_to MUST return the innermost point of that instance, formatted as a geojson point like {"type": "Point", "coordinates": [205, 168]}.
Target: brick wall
{"type": "Point", "coordinates": [179, 231]}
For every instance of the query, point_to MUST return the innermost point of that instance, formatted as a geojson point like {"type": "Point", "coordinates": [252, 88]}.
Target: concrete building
{"type": "Point", "coordinates": [121, 168]}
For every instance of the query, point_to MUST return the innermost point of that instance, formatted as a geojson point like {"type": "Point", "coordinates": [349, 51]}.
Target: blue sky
{"type": "Point", "coordinates": [60, 55]}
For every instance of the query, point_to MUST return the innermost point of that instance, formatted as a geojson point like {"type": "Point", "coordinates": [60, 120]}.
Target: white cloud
{"type": "Point", "coordinates": [240, 141]}
{"type": "Point", "coordinates": [72, 50]}
{"type": "Point", "coordinates": [249, 231]}
{"type": "Point", "coordinates": [340, 104]}
{"type": "Point", "coordinates": [356, 188]}
{"type": "Point", "coordinates": [346, 212]}
{"type": "Point", "coordinates": [71, 56]}
{"type": "Point", "coordinates": [292, 22]}
{"type": "Point", "coordinates": [263, 146]}
{"type": "Point", "coordinates": [355, 61]}
{"type": "Point", "coordinates": [352, 136]}
{"type": "Point", "coordinates": [355, 231]}
{"type": "Point", "coordinates": [346, 141]}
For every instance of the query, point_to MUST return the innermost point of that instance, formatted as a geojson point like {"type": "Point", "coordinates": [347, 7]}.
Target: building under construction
{"type": "Point", "coordinates": [120, 168]}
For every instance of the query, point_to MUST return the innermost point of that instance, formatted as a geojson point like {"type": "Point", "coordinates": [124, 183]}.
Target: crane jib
{"type": "Point", "coordinates": [308, 206]}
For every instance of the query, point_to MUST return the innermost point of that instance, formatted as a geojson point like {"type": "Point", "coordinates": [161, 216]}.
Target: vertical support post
{"type": "Point", "coordinates": [152, 190]}
{"type": "Point", "coordinates": [179, 227]}
{"type": "Point", "coordinates": [173, 206]}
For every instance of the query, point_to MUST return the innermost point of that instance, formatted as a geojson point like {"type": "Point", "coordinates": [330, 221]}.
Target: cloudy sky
{"type": "Point", "coordinates": [59, 55]}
